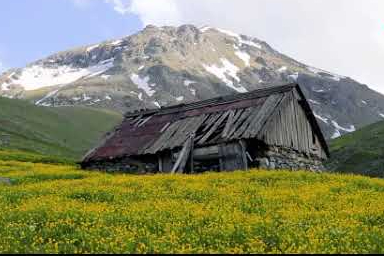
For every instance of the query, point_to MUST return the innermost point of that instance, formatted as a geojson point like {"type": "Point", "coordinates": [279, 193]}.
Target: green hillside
{"type": "Point", "coordinates": [66, 132]}
{"type": "Point", "coordinates": [359, 152]}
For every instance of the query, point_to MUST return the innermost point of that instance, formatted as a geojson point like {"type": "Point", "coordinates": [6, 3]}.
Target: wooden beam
{"type": "Point", "coordinates": [229, 123]}
{"type": "Point", "coordinates": [191, 160]}
{"type": "Point", "coordinates": [243, 154]}
{"type": "Point", "coordinates": [160, 163]}
{"type": "Point", "coordinates": [183, 157]}
{"type": "Point", "coordinates": [214, 127]}
{"type": "Point", "coordinates": [141, 123]}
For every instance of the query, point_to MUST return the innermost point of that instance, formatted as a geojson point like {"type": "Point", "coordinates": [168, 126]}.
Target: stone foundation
{"type": "Point", "coordinates": [282, 158]}
{"type": "Point", "coordinates": [265, 157]}
{"type": "Point", "coordinates": [122, 166]}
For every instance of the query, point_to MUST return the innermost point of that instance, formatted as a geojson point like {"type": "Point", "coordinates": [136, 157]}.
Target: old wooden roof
{"type": "Point", "coordinates": [212, 121]}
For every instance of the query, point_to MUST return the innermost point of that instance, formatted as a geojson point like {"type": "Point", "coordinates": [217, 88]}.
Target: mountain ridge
{"type": "Point", "coordinates": [162, 66]}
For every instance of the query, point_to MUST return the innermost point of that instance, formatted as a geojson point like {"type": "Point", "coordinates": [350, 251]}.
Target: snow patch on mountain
{"type": "Point", "coordinates": [38, 76]}
{"type": "Point", "coordinates": [331, 75]}
{"type": "Point", "coordinates": [142, 83]}
{"type": "Point", "coordinates": [205, 29]}
{"type": "Point", "coordinates": [39, 102]}
{"type": "Point", "coordinates": [239, 38]}
{"type": "Point", "coordinates": [4, 86]}
{"type": "Point", "coordinates": [337, 126]}
{"type": "Point", "coordinates": [156, 104]}
{"type": "Point", "coordinates": [227, 69]}
{"type": "Point", "coordinates": [90, 48]}
{"type": "Point", "coordinates": [323, 119]}
{"type": "Point", "coordinates": [85, 97]}
{"type": "Point", "coordinates": [243, 56]}
{"type": "Point", "coordinates": [117, 42]}
{"type": "Point", "coordinates": [314, 102]}
{"type": "Point", "coordinates": [294, 76]}
{"type": "Point", "coordinates": [189, 82]}
{"type": "Point", "coordinates": [336, 134]}
{"type": "Point", "coordinates": [105, 77]}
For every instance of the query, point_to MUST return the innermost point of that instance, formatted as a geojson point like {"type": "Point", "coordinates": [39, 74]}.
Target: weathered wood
{"type": "Point", "coordinates": [243, 154]}
{"type": "Point", "coordinates": [229, 123]}
{"type": "Point", "coordinates": [266, 111]}
{"type": "Point", "coordinates": [165, 127]}
{"type": "Point", "coordinates": [190, 127]}
{"type": "Point", "coordinates": [137, 119]}
{"type": "Point", "coordinates": [160, 163]}
{"type": "Point", "coordinates": [249, 156]}
{"type": "Point", "coordinates": [183, 157]}
{"type": "Point", "coordinates": [142, 122]}
{"type": "Point", "coordinates": [231, 155]}
{"type": "Point", "coordinates": [191, 159]}
{"type": "Point", "coordinates": [165, 136]}
{"type": "Point", "coordinates": [241, 129]}
{"type": "Point", "coordinates": [204, 153]}
{"type": "Point", "coordinates": [213, 128]}
{"type": "Point", "coordinates": [289, 126]}
{"type": "Point", "coordinates": [210, 121]}
{"type": "Point", "coordinates": [244, 115]}
{"type": "Point", "coordinates": [166, 159]}
{"type": "Point", "coordinates": [179, 136]}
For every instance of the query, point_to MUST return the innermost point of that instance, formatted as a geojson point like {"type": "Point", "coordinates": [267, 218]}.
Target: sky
{"type": "Point", "coordinates": [342, 36]}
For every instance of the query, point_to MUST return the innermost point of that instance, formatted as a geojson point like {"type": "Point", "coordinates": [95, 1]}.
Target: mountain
{"type": "Point", "coordinates": [66, 132]}
{"type": "Point", "coordinates": [360, 152]}
{"type": "Point", "coordinates": [161, 66]}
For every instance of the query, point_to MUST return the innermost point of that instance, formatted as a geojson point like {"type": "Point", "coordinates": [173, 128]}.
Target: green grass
{"type": "Point", "coordinates": [61, 209]}
{"type": "Point", "coordinates": [360, 152]}
{"type": "Point", "coordinates": [63, 132]}
{"type": "Point", "coordinates": [23, 156]}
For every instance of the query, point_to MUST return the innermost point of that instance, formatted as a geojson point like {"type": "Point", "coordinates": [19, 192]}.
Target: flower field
{"type": "Point", "coordinates": [60, 209]}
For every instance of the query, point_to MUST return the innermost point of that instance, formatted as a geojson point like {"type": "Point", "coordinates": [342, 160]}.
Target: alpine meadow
{"type": "Point", "coordinates": [61, 209]}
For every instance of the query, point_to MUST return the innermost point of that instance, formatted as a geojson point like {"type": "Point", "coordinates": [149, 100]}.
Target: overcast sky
{"type": "Point", "coordinates": [342, 36]}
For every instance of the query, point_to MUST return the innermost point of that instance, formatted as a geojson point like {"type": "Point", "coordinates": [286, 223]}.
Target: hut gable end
{"type": "Point", "coordinates": [289, 126]}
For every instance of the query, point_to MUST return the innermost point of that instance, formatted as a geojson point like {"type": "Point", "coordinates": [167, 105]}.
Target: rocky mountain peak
{"type": "Point", "coordinates": [161, 66]}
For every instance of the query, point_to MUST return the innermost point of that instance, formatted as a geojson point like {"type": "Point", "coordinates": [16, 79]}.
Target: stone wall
{"type": "Point", "coordinates": [121, 165]}
{"type": "Point", "coordinates": [282, 158]}
{"type": "Point", "coordinates": [268, 157]}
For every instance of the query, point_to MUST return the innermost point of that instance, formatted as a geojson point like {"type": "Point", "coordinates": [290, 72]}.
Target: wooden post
{"type": "Point", "coordinates": [183, 157]}
{"type": "Point", "coordinates": [243, 154]}
{"type": "Point", "coordinates": [191, 152]}
{"type": "Point", "coordinates": [160, 159]}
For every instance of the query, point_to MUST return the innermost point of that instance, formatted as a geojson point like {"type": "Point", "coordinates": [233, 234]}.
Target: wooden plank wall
{"type": "Point", "coordinates": [232, 157]}
{"type": "Point", "coordinates": [289, 127]}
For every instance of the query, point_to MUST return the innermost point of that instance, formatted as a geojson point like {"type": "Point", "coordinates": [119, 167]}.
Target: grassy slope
{"type": "Point", "coordinates": [60, 209]}
{"type": "Point", "coordinates": [65, 132]}
{"type": "Point", "coordinates": [360, 152]}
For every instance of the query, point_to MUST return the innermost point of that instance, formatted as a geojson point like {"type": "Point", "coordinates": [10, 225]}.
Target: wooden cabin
{"type": "Point", "coordinates": [270, 128]}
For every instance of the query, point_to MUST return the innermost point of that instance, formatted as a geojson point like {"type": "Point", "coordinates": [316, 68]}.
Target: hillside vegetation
{"type": "Point", "coordinates": [66, 132]}
{"type": "Point", "coordinates": [60, 209]}
{"type": "Point", "coordinates": [359, 152]}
